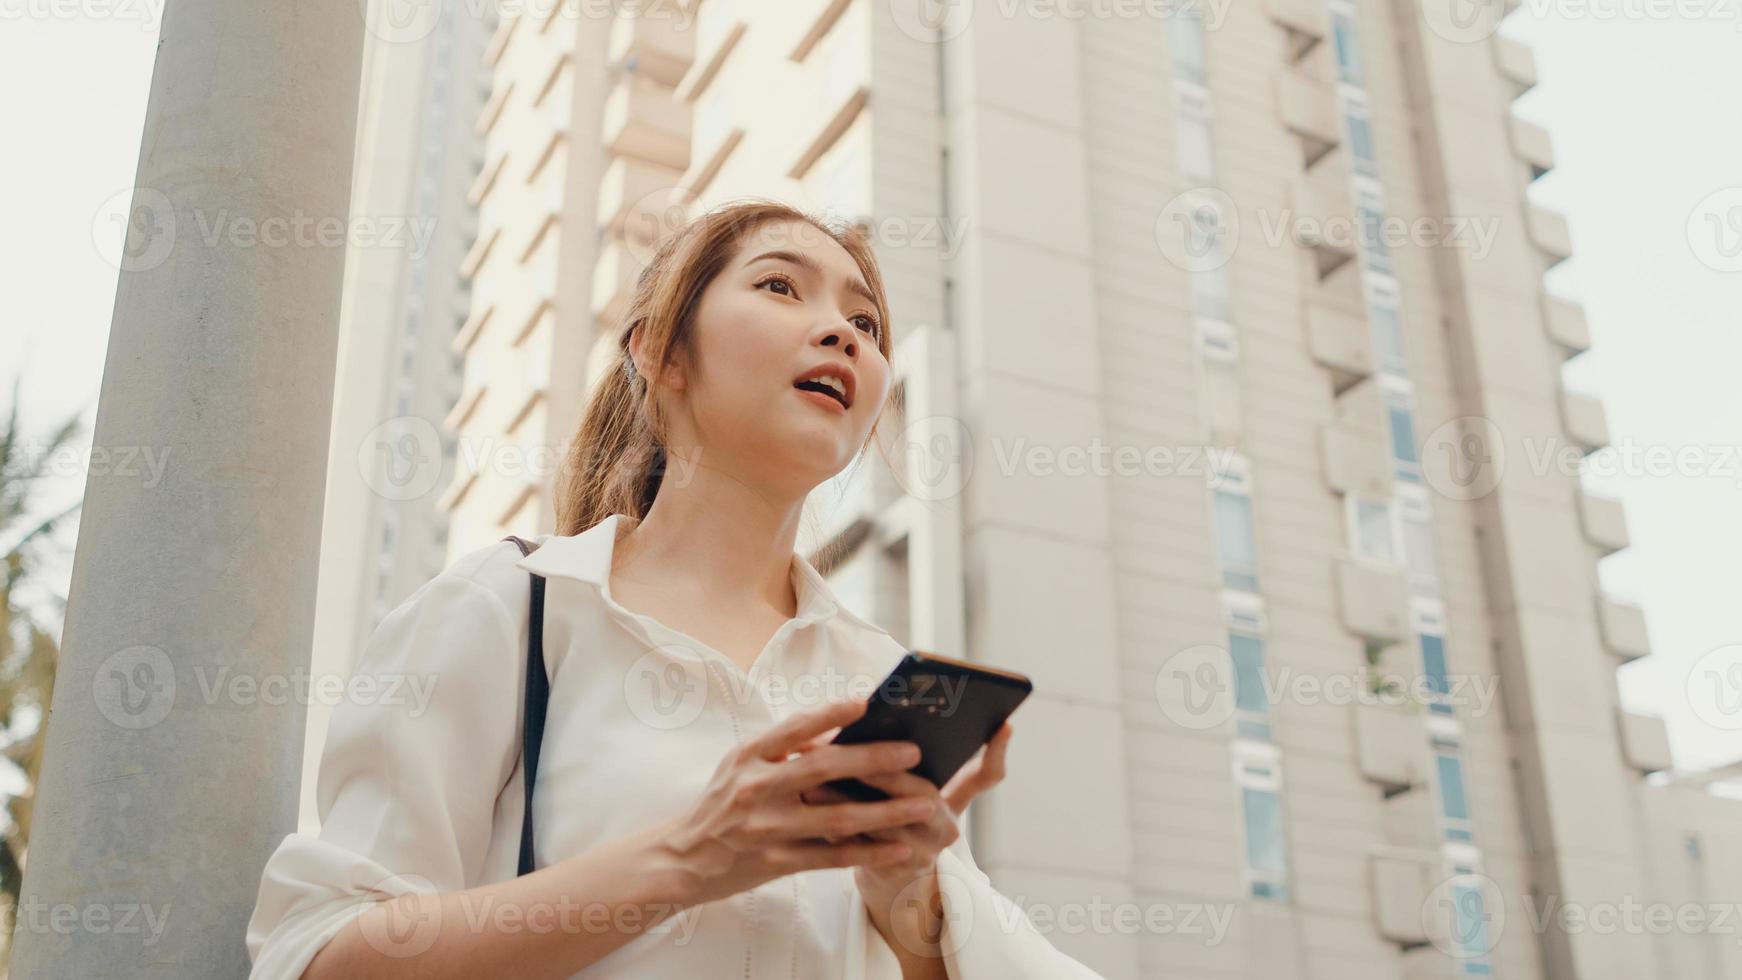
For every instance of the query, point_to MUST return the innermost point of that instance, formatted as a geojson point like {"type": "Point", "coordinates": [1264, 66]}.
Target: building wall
{"type": "Point", "coordinates": [1103, 232]}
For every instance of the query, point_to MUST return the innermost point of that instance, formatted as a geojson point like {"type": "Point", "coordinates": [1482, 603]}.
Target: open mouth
{"type": "Point", "coordinates": [823, 386]}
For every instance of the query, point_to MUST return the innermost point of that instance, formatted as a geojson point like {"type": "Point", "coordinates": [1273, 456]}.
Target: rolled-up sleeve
{"type": "Point", "coordinates": [986, 936]}
{"type": "Point", "coordinates": [418, 750]}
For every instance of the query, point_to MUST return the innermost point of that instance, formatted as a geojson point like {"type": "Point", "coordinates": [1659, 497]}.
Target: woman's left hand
{"type": "Point", "coordinates": [881, 886]}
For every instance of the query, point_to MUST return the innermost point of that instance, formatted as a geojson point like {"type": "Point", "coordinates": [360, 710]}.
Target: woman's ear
{"type": "Point", "coordinates": [671, 377]}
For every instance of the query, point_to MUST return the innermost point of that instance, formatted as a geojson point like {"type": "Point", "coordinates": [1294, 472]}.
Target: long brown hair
{"type": "Point", "coordinates": [617, 459]}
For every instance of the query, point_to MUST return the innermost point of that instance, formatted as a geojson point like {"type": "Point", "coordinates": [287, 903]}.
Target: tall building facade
{"type": "Point", "coordinates": [383, 534]}
{"type": "Point", "coordinates": [1229, 370]}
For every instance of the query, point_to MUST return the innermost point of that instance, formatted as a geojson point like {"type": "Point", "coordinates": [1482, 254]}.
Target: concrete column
{"type": "Point", "coordinates": [175, 739]}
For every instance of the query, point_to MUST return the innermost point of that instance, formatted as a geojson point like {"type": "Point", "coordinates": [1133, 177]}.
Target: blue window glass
{"type": "Point", "coordinates": [1402, 434]}
{"type": "Point", "coordinates": [1185, 41]}
{"type": "Point", "coordinates": [1470, 928]}
{"type": "Point", "coordinates": [1348, 54]}
{"type": "Point", "coordinates": [1234, 537]}
{"type": "Point", "coordinates": [1264, 846]}
{"type": "Point", "coordinates": [1452, 787]}
{"type": "Point", "coordinates": [1433, 667]}
{"type": "Point", "coordinates": [1361, 145]}
{"type": "Point", "coordinates": [1387, 335]}
{"type": "Point", "coordinates": [1250, 694]}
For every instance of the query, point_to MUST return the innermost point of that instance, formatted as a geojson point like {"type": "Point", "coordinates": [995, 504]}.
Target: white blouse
{"type": "Point", "coordinates": [424, 791]}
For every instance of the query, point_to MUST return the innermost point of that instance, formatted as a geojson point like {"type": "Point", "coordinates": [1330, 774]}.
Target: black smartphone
{"type": "Point", "coordinates": [948, 707]}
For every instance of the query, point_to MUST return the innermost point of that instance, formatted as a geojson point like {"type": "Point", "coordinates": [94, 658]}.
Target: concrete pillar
{"type": "Point", "coordinates": [175, 739]}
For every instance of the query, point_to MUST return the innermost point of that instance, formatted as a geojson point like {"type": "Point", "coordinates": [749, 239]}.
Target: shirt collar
{"type": "Point", "coordinates": [586, 557]}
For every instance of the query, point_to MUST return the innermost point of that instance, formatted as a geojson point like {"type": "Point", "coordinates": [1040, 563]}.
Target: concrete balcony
{"type": "Point", "coordinates": [1319, 200]}
{"type": "Point", "coordinates": [644, 122]}
{"type": "Point", "coordinates": [1582, 418]}
{"type": "Point", "coordinates": [720, 25]}
{"type": "Point", "coordinates": [1390, 747]}
{"type": "Point", "coordinates": [1410, 821]}
{"type": "Point", "coordinates": [658, 45]}
{"type": "Point", "coordinates": [838, 87]}
{"type": "Point", "coordinates": [1403, 882]}
{"type": "Point", "coordinates": [1604, 521]}
{"type": "Point", "coordinates": [1355, 458]}
{"type": "Point", "coordinates": [1515, 62]}
{"type": "Point", "coordinates": [1566, 325]}
{"type": "Point", "coordinates": [1340, 342]}
{"type": "Point", "coordinates": [613, 284]}
{"type": "Point", "coordinates": [717, 134]}
{"type": "Point", "coordinates": [1307, 108]}
{"type": "Point", "coordinates": [1623, 627]}
{"type": "Point", "coordinates": [634, 196]}
{"type": "Point", "coordinates": [1373, 600]}
{"type": "Point", "coordinates": [1548, 231]}
{"type": "Point", "coordinates": [1306, 22]}
{"type": "Point", "coordinates": [1645, 743]}
{"type": "Point", "coordinates": [1531, 143]}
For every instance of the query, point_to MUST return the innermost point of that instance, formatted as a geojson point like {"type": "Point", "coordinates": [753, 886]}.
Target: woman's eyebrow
{"type": "Point", "coordinates": [806, 262]}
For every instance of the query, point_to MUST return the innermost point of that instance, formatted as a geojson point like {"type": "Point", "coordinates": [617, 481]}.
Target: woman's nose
{"type": "Point", "coordinates": [842, 336]}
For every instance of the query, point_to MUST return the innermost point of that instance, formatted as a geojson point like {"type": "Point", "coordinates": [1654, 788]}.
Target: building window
{"type": "Point", "coordinates": [1251, 688]}
{"type": "Point", "coordinates": [1454, 806]}
{"type": "Point", "coordinates": [1185, 41]}
{"type": "Point", "coordinates": [1371, 521]}
{"type": "Point", "coordinates": [1348, 51]}
{"type": "Point", "coordinates": [1361, 145]}
{"type": "Point", "coordinates": [1235, 542]}
{"type": "Point", "coordinates": [1219, 354]}
{"type": "Point", "coordinates": [1192, 146]}
{"type": "Point", "coordinates": [1388, 337]}
{"type": "Point", "coordinates": [1209, 286]}
{"type": "Point", "coordinates": [1258, 774]}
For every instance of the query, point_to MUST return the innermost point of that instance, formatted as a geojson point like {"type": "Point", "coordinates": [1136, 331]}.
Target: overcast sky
{"type": "Point", "coordinates": [1646, 123]}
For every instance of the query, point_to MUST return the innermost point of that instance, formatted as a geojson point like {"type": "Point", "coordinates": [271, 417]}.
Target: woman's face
{"type": "Point", "coordinates": [790, 300]}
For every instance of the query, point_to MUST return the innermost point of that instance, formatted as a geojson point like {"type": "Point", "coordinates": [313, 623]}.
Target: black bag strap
{"type": "Point", "coordinates": [537, 700]}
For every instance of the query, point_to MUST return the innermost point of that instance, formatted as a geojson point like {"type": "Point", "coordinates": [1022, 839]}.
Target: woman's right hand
{"type": "Point", "coordinates": [750, 825]}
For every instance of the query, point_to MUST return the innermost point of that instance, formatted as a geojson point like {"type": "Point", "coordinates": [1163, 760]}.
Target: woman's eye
{"type": "Point", "coordinates": [785, 287]}
{"type": "Point", "coordinates": [866, 324]}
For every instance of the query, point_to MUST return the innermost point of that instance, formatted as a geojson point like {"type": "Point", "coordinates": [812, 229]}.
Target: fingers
{"type": "Point", "coordinates": [843, 820]}
{"type": "Point", "coordinates": [808, 856]}
{"type": "Point", "coordinates": [983, 772]}
{"type": "Point", "coordinates": [831, 762]}
{"type": "Point", "coordinates": [793, 733]}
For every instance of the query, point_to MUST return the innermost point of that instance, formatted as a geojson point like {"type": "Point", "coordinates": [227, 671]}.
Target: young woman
{"type": "Point", "coordinates": [698, 669]}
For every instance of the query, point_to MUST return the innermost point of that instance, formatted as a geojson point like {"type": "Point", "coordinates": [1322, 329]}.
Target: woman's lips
{"type": "Point", "coordinates": [818, 398]}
